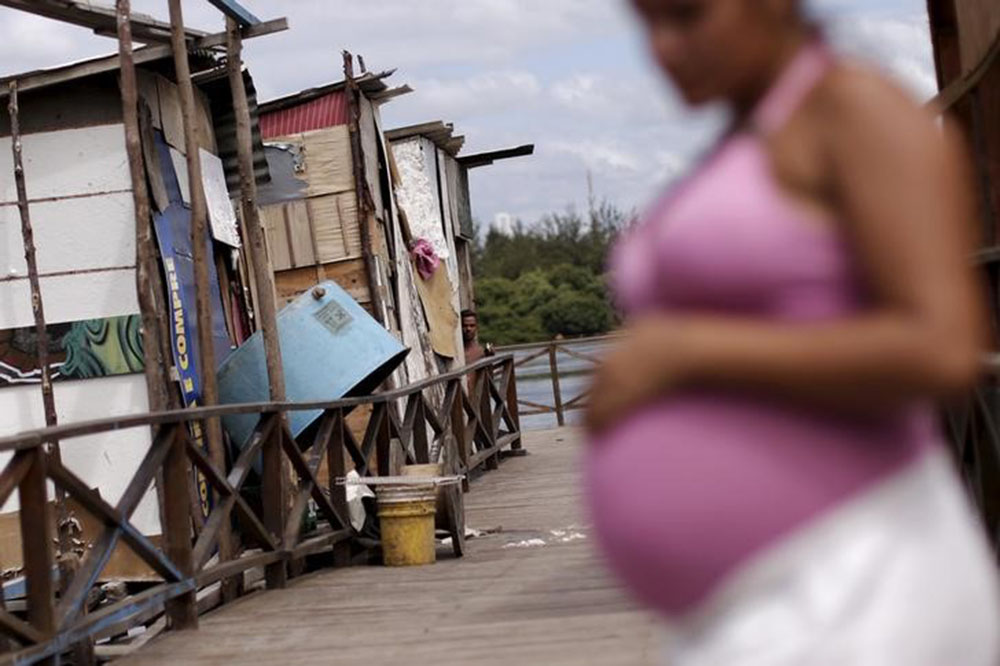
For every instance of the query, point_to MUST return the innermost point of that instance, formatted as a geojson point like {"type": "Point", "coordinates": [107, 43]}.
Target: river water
{"type": "Point", "coordinates": [534, 380]}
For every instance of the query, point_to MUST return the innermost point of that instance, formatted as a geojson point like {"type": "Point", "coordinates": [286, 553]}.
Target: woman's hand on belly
{"type": "Point", "coordinates": [647, 365]}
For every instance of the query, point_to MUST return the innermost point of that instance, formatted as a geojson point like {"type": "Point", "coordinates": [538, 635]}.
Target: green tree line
{"type": "Point", "coordinates": [549, 279]}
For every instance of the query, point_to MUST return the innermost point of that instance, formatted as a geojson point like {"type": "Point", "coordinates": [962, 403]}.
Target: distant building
{"type": "Point", "coordinates": [503, 223]}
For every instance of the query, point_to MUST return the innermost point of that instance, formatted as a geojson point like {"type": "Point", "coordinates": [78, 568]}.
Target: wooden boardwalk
{"type": "Point", "coordinates": [506, 602]}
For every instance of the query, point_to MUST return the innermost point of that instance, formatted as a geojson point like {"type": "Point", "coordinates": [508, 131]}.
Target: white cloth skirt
{"type": "Point", "coordinates": [899, 576]}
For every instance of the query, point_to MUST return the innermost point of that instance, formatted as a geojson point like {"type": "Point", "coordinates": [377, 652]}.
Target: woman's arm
{"type": "Point", "coordinates": [904, 192]}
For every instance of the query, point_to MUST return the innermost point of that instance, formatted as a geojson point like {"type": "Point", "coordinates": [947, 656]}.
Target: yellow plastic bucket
{"type": "Point", "coordinates": [406, 516]}
{"type": "Point", "coordinates": [432, 470]}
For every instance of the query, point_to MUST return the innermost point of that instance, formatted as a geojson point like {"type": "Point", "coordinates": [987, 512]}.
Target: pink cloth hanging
{"type": "Point", "coordinates": [425, 258]}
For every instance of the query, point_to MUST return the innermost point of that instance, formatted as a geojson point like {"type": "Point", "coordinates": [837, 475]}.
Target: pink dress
{"type": "Point", "coordinates": [687, 489]}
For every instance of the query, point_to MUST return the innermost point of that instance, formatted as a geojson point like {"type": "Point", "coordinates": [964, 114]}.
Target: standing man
{"type": "Point", "coordinates": [470, 336]}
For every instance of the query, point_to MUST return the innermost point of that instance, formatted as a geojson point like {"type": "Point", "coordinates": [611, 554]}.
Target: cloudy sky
{"type": "Point", "coordinates": [570, 76]}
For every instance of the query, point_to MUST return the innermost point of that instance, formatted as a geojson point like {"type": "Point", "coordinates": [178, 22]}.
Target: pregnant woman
{"type": "Point", "coordinates": [765, 468]}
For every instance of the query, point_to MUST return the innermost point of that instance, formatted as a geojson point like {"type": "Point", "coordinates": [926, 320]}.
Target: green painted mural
{"type": "Point", "coordinates": [77, 350]}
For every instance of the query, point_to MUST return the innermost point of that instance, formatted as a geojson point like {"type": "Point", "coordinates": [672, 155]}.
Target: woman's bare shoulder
{"type": "Point", "coordinates": [866, 115]}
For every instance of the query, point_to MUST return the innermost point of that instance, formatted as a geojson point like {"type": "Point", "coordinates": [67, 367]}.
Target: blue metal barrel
{"type": "Point", "coordinates": [330, 348]}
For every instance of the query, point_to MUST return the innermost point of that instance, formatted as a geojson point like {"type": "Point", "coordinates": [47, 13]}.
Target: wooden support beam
{"type": "Point", "coordinates": [256, 244]}
{"type": "Point", "coordinates": [458, 431]}
{"type": "Point", "coordinates": [99, 18]}
{"type": "Point", "coordinates": [47, 77]}
{"type": "Point", "coordinates": [273, 500]}
{"type": "Point", "coordinates": [201, 255]}
{"type": "Point", "coordinates": [36, 546]}
{"type": "Point", "coordinates": [157, 384]}
{"type": "Point", "coordinates": [266, 305]}
{"type": "Point", "coordinates": [116, 519]}
{"type": "Point", "coordinates": [234, 11]}
{"type": "Point", "coordinates": [155, 350]}
{"type": "Point", "coordinates": [366, 206]}
{"type": "Point", "coordinates": [50, 447]}
{"type": "Point", "coordinates": [28, 238]}
{"type": "Point", "coordinates": [221, 513]}
{"type": "Point", "coordinates": [336, 463]}
{"type": "Point", "coordinates": [12, 626]}
{"type": "Point", "coordinates": [963, 85]}
{"type": "Point", "coordinates": [182, 610]}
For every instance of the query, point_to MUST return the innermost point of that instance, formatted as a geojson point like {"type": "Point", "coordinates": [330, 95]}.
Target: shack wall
{"type": "Point", "coordinates": [79, 192]}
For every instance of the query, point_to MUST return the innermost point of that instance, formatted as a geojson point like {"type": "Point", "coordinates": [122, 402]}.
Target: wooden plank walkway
{"type": "Point", "coordinates": [504, 603]}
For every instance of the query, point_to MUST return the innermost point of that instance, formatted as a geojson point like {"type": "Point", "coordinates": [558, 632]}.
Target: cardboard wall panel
{"type": "Point", "coordinates": [74, 297]}
{"type": "Point", "coordinates": [273, 219]}
{"type": "Point", "coordinates": [350, 275]}
{"type": "Point", "coordinates": [71, 235]}
{"type": "Point", "coordinates": [299, 232]}
{"type": "Point", "coordinates": [326, 159]}
{"type": "Point", "coordinates": [170, 113]}
{"type": "Point", "coordinates": [68, 163]}
{"type": "Point", "coordinates": [335, 220]}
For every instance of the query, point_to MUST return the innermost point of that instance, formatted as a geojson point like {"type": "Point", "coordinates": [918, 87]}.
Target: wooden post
{"type": "Point", "coordinates": [512, 404]}
{"type": "Point", "coordinates": [28, 236]}
{"type": "Point", "coordinates": [200, 259]}
{"type": "Point", "coordinates": [272, 498]}
{"type": "Point", "coordinates": [383, 440]}
{"type": "Point", "coordinates": [256, 241]}
{"type": "Point", "coordinates": [157, 384]}
{"type": "Point", "coordinates": [556, 390]}
{"type": "Point", "coordinates": [154, 351]}
{"type": "Point", "coordinates": [251, 215]}
{"type": "Point", "coordinates": [36, 545]}
{"type": "Point", "coordinates": [41, 332]}
{"type": "Point", "coordinates": [421, 445]}
{"type": "Point", "coordinates": [182, 610]}
{"type": "Point", "coordinates": [486, 415]}
{"type": "Point", "coordinates": [366, 207]}
{"type": "Point", "coordinates": [458, 430]}
{"type": "Point", "coordinates": [336, 465]}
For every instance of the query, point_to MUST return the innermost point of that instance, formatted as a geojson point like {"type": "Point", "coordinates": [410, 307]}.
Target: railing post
{"type": "Point", "coordinates": [36, 544]}
{"type": "Point", "coordinates": [486, 415]}
{"type": "Point", "coordinates": [336, 465]}
{"type": "Point", "coordinates": [182, 610]}
{"type": "Point", "coordinates": [458, 430]}
{"type": "Point", "coordinates": [383, 440]}
{"type": "Point", "coordinates": [556, 390]}
{"type": "Point", "coordinates": [421, 446]}
{"type": "Point", "coordinates": [273, 498]}
{"type": "Point", "coordinates": [512, 404]}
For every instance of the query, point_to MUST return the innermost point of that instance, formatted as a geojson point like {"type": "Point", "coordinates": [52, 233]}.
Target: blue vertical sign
{"type": "Point", "coordinates": [173, 235]}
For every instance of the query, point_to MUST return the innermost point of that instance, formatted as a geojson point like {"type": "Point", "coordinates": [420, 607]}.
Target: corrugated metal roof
{"type": "Point", "coordinates": [323, 106]}
{"type": "Point", "coordinates": [329, 110]}
{"type": "Point", "coordinates": [216, 86]}
{"type": "Point", "coordinates": [371, 85]}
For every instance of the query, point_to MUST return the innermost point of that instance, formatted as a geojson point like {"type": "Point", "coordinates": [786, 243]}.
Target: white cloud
{"type": "Point", "coordinates": [898, 44]}
{"type": "Point", "coordinates": [600, 155]}
{"type": "Point", "coordinates": [578, 89]}
{"type": "Point", "coordinates": [483, 93]}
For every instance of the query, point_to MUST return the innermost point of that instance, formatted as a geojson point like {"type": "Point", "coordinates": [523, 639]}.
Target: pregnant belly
{"type": "Point", "coordinates": [683, 491]}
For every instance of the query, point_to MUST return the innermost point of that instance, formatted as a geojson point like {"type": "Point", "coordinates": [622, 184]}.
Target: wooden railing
{"type": "Point", "coordinates": [973, 428]}
{"type": "Point", "coordinates": [526, 353]}
{"type": "Point", "coordinates": [476, 421]}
